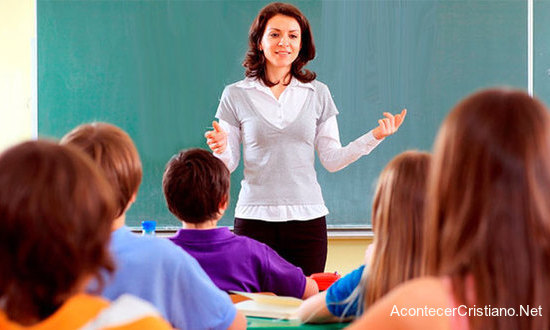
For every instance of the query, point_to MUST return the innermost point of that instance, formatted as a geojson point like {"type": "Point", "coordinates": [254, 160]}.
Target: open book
{"type": "Point", "coordinates": [275, 307]}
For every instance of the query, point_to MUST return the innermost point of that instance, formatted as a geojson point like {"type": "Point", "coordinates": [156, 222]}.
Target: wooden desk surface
{"type": "Point", "coordinates": [264, 323]}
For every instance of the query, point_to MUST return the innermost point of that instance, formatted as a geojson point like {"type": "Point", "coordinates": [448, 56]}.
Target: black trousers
{"type": "Point", "coordinates": [302, 243]}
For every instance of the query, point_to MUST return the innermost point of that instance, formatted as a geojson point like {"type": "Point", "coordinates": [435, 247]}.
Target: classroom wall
{"type": "Point", "coordinates": [346, 254]}
{"type": "Point", "coordinates": [17, 34]}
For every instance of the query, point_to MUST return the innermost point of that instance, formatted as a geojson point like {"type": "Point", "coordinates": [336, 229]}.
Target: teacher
{"type": "Point", "coordinates": [281, 114]}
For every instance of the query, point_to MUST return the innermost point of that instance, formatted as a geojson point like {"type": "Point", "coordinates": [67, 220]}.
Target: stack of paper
{"type": "Point", "coordinates": [261, 305]}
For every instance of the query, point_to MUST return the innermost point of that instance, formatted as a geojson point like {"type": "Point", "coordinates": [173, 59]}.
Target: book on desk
{"type": "Point", "coordinates": [269, 306]}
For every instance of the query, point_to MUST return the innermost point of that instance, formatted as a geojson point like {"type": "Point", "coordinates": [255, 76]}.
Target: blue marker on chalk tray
{"type": "Point", "coordinates": [148, 227]}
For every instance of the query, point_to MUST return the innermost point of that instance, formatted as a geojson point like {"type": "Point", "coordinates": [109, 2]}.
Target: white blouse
{"type": "Point", "coordinates": [281, 112]}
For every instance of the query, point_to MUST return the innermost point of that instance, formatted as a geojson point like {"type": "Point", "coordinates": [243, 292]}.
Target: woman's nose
{"type": "Point", "coordinates": [283, 41]}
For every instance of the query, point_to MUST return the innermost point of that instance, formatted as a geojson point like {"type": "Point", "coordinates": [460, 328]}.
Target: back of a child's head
{"type": "Point", "coordinates": [196, 185]}
{"type": "Point", "coordinates": [55, 211]}
{"type": "Point", "coordinates": [114, 151]}
{"type": "Point", "coordinates": [398, 223]}
{"type": "Point", "coordinates": [488, 209]}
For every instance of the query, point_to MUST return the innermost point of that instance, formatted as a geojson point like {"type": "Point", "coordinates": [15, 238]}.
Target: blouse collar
{"type": "Point", "coordinates": [248, 83]}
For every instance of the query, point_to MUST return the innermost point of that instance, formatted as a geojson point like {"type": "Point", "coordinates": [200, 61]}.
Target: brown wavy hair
{"type": "Point", "coordinates": [488, 205]}
{"type": "Point", "coordinates": [55, 212]}
{"type": "Point", "coordinates": [255, 61]}
{"type": "Point", "coordinates": [195, 184]}
{"type": "Point", "coordinates": [114, 151]}
{"type": "Point", "coordinates": [398, 223]}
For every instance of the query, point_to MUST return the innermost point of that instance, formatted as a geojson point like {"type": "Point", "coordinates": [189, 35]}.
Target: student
{"type": "Point", "coordinates": [150, 268]}
{"type": "Point", "coordinates": [54, 211]}
{"type": "Point", "coordinates": [196, 188]}
{"type": "Point", "coordinates": [488, 235]}
{"type": "Point", "coordinates": [281, 114]}
{"type": "Point", "coordinates": [398, 222]}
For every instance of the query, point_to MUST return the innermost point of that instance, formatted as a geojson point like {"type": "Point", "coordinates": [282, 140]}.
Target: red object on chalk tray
{"type": "Point", "coordinates": [324, 280]}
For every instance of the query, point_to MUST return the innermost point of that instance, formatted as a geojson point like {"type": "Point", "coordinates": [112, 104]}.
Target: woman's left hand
{"type": "Point", "coordinates": [389, 125]}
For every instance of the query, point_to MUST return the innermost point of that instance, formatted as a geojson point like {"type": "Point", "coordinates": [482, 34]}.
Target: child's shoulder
{"type": "Point", "coordinates": [250, 241]}
{"type": "Point", "coordinates": [129, 312]}
{"type": "Point", "coordinates": [415, 304]}
{"type": "Point", "coordinates": [149, 248]}
{"type": "Point", "coordinates": [255, 249]}
{"type": "Point", "coordinates": [413, 292]}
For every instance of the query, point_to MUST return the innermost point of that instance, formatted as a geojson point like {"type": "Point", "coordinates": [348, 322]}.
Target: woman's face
{"type": "Point", "coordinates": [281, 42]}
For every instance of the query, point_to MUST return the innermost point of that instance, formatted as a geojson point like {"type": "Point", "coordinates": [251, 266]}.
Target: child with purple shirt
{"type": "Point", "coordinates": [196, 188]}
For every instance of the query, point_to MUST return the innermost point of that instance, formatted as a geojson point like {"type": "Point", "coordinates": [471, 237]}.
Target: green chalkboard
{"type": "Point", "coordinates": [157, 69]}
{"type": "Point", "coordinates": [541, 50]}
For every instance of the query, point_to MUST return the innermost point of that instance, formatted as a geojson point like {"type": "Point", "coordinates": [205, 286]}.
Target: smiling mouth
{"type": "Point", "coordinates": [283, 53]}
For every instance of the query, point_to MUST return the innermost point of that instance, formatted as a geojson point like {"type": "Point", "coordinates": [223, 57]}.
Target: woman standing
{"type": "Point", "coordinates": [281, 114]}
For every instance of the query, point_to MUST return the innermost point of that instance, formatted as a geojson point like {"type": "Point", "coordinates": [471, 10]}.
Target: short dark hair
{"type": "Point", "coordinates": [54, 209]}
{"type": "Point", "coordinates": [254, 60]}
{"type": "Point", "coordinates": [195, 184]}
{"type": "Point", "coordinates": [114, 151]}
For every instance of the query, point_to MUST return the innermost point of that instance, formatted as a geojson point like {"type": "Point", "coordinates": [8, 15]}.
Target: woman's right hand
{"type": "Point", "coordinates": [217, 138]}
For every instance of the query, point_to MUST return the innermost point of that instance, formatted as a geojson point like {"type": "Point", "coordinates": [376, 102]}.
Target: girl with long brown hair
{"type": "Point", "coordinates": [488, 234]}
{"type": "Point", "coordinates": [398, 223]}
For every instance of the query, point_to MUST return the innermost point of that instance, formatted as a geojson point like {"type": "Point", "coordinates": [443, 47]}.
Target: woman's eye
{"type": "Point", "coordinates": [293, 36]}
{"type": "Point", "coordinates": [274, 35]}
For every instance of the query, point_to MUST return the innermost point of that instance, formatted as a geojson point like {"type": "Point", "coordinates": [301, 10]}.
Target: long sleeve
{"type": "Point", "coordinates": [232, 153]}
{"type": "Point", "coordinates": [333, 156]}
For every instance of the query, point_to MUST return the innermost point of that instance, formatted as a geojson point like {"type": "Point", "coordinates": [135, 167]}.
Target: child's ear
{"type": "Point", "coordinates": [224, 204]}
{"type": "Point", "coordinates": [131, 201]}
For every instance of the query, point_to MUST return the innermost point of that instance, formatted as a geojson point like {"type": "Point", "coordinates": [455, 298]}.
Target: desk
{"type": "Point", "coordinates": [263, 323]}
